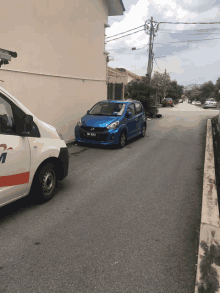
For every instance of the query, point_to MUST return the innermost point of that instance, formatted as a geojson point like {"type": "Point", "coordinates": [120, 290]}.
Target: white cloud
{"type": "Point", "coordinates": [200, 53]}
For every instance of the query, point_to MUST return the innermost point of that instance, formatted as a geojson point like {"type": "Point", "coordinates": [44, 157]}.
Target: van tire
{"type": "Point", "coordinates": [46, 182]}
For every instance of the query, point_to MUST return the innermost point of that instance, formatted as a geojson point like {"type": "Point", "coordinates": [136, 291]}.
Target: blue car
{"type": "Point", "coordinates": [111, 122]}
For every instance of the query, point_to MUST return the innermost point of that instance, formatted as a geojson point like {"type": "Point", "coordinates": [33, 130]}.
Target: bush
{"type": "Point", "coordinates": [142, 92]}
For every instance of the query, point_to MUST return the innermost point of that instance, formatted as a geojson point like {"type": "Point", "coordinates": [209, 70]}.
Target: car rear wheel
{"type": "Point", "coordinates": [122, 139]}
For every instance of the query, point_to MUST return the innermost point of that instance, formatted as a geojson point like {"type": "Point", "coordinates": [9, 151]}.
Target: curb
{"type": "Point", "coordinates": [208, 265]}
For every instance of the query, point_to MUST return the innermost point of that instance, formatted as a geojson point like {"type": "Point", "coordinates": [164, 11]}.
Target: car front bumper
{"type": "Point", "coordinates": [210, 106]}
{"type": "Point", "coordinates": [109, 137]}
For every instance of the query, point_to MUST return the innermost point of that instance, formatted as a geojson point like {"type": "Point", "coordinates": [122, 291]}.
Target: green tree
{"type": "Point", "coordinates": [160, 82]}
{"type": "Point", "coordinates": [196, 93]}
{"type": "Point", "coordinates": [174, 91]}
{"type": "Point", "coordinates": [217, 89]}
{"type": "Point", "coordinates": [141, 91]}
{"type": "Point", "coordinates": [207, 89]}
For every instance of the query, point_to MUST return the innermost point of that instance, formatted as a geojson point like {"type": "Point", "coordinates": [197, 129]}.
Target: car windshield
{"type": "Point", "coordinates": [108, 109]}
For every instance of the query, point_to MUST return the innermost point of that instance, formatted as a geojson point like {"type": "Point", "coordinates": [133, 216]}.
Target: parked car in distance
{"type": "Point", "coordinates": [198, 103]}
{"type": "Point", "coordinates": [210, 103]}
{"type": "Point", "coordinates": [189, 101]}
{"type": "Point", "coordinates": [167, 102]}
{"type": "Point", "coordinates": [112, 122]}
{"type": "Point", "coordinates": [180, 100]}
{"type": "Point", "coordinates": [193, 102]}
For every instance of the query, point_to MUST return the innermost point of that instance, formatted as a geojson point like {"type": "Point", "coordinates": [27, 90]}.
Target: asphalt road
{"type": "Point", "coordinates": [124, 220]}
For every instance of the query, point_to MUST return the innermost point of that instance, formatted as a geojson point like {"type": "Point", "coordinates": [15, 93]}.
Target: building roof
{"type": "Point", "coordinates": [114, 71]}
{"type": "Point", "coordinates": [122, 72]}
{"type": "Point", "coordinates": [115, 7]}
{"type": "Point", "coordinates": [129, 72]}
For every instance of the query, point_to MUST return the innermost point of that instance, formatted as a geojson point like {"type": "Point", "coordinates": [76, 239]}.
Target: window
{"type": "Point", "coordinates": [6, 117]}
{"type": "Point", "coordinates": [131, 109]}
{"type": "Point", "coordinates": [138, 108]}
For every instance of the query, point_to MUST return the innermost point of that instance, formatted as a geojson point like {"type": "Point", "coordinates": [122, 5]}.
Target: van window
{"type": "Point", "coordinates": [6, 118]}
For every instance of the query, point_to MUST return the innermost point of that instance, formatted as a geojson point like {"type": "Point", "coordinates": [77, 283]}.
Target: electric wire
{"type": "Point", "coordinates": [157, 65]}
{"type": "Point", "coordinates": [189, 22]}
{"type": "Point", "coordinates": [125, 32]}
{"type": "Point", "coordinates": [124, 36]}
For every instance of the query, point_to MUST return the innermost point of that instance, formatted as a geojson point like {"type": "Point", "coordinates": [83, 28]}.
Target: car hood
{"type": "Point", "coordinates": [98, 121]}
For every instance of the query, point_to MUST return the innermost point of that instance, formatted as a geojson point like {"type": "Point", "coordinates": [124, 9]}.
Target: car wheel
{"type": "Point", "coordinates": [122, 139]}
{"type": "Point", "coordinates": [143, 130]}
{"type": "Point", "coordinates": [45, 184]}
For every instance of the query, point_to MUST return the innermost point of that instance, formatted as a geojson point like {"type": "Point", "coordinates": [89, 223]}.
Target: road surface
{"type": "Point", "coordinates": [124, 220]}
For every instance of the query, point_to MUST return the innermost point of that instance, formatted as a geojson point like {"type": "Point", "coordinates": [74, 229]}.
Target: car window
{"type": "Point", "coordinates": [138, 108]}
{"type": "Point", "coordinates": [6, 117]}
{"type": "Point", "coordinates": [106, 108]}
{"type": "Point", "coordinates": [131, 109]}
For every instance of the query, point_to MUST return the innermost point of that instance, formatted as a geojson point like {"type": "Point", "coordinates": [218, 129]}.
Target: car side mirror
{"type": "Point", "coordinates": [128, 114]}
{"type": "Point", "coordinates": [88, 111]}
{"type": "Point", "coordinates": [27, 125]}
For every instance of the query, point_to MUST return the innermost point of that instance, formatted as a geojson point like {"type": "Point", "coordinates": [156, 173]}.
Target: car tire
{"type": "Point", "coordinates": [122, 140]}
{"type": "Point", "coordinates": [45, 183]}
{"type": "Point", "coordinates": [143, 130]}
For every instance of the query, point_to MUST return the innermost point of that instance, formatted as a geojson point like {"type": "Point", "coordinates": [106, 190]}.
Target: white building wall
{"type": "Point", "coordinates": [59, 38]}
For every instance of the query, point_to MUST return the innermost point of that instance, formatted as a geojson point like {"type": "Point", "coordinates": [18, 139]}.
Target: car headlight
{"type": "Point", "coordinates": [79, 123]}
{"type": "Point", "coordinates": [113, 125]}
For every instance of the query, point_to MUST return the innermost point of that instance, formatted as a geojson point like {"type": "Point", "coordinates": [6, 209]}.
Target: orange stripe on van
{"type": "Point", "coordinates": [16, 179]}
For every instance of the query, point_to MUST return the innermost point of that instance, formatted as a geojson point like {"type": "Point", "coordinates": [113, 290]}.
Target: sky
{"type": "Point", "coordinates": [181, 49]}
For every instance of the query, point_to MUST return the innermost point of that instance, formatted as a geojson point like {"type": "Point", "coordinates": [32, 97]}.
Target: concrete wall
{"type": "Point", "coordinates": [61, 38]}
{"type": "Point", "coordinates": [61, 102]}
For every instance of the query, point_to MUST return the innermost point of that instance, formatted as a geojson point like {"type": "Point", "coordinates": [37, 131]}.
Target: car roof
{"type": "Point", "coordinates": [120, 101]}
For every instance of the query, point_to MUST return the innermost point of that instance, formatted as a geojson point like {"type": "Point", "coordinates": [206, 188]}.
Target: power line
{"type": "Point", "coordinates": [125, 32]}
{"type": "Point", "coordinates": [157, 65]}
{"type": "Point", "coordinates": [189, 41]}
{"type": "Point", "coordinates": [190, 22]}
{"type": "Point", "coordinates": [124, 36]}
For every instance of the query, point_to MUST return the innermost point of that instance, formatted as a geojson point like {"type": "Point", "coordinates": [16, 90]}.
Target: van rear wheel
{"type": "Point", "coordinates": [46, 182]}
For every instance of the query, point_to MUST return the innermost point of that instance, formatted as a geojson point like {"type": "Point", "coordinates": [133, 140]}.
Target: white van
{"type": "Point", "coordinates": [33, 156]}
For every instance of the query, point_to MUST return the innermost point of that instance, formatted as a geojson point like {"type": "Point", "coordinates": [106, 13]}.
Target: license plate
{"type": "Point", "coordinates": [91, 134]}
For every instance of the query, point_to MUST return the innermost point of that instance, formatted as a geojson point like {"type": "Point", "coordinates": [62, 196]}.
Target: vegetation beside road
{"type": "Point", "coordinates": [205, 91]}
{"type": "Point", "coordinates": [151, 95]}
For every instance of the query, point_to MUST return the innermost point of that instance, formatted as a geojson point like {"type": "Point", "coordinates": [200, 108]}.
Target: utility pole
{"type": "Point", "coordinates": [165, 83]}
{"type": "Point", "coordinates": [149, 67]}
{"type": "Point", "coordinates": [151, 28]}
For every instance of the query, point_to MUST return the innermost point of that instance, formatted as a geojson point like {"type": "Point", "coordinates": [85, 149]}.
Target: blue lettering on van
{"type": "Point", "coordinates": [3, 157]}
